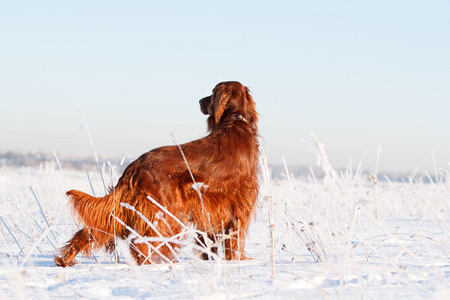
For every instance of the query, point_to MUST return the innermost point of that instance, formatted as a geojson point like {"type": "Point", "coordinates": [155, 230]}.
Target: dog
{"type": "Point", "coordinates": [210, 183]}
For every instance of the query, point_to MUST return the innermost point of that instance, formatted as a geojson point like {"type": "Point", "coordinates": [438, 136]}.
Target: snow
{"type": "Point", "coordinates": [341, 236]}
{"type": "Point", "coordinates": [197, 186]}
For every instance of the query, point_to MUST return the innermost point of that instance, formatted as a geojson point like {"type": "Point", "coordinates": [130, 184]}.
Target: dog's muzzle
{"type": "Point", "coordinates": [204, 104]}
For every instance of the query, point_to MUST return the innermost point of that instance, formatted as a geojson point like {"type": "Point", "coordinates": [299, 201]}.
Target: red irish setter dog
{"type": "Point", "coordinates": [210, 183]}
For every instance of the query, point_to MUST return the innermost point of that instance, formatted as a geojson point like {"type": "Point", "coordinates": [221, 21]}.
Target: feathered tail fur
{"type": "Point", "coordinates": [103, 219]}
{"type": "Point", "coordinates": [97, 232]}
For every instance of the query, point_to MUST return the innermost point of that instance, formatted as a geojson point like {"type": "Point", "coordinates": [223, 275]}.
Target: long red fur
{"type": "Point", "coordinates": [224, 162]}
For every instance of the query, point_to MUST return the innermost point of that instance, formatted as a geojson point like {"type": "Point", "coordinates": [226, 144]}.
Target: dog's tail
{"type": "Point", "coordinates": [98, 214]}
{"type": "Point", "coordinates": [102, 216]}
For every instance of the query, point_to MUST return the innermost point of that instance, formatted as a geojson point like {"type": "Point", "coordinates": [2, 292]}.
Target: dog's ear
{"type": "Point", "coordinates": [222, 99]}
{"type": "Point", "coordinates": [251, 109]}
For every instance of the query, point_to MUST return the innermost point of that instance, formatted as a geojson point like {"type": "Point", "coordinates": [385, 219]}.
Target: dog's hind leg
{"type": "Point", "coordinates": [140, 253]}
{"type": "Point", "coordinates": [81, 242]}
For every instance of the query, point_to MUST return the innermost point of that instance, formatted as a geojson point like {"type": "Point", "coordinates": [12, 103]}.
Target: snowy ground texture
{"type": "Point", "coordinates": [348, 235]}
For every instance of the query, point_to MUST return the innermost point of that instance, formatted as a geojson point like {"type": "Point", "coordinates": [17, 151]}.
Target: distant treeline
{"type": "Point", "coordinates": [18, 159]}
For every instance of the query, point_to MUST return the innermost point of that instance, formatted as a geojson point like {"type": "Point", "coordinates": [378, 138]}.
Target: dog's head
{"type": "Point", "coordinates": [229, 101]}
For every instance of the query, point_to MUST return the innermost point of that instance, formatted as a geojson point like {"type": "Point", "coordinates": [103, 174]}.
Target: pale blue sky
{"type": "Point", "coordinates": [355, 73]}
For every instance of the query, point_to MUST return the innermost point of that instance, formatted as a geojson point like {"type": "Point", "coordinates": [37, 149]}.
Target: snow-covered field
{"type": "Point", "coordinates": [348, 235]}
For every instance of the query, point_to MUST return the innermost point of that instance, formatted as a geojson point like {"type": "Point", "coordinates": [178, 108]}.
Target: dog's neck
{"type": "Point", "coordinates": [241, 117]}
{"type": "Point", "coordinates": [238, 117]}
{"type": "Point", "coordinates": [231, 118]}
